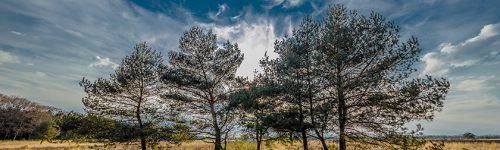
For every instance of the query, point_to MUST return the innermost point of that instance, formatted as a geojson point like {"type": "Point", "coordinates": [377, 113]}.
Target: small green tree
{"type": "Point", "coordinates": [469, 135]}
{"type": "Point", "coordinates": [47, 131]}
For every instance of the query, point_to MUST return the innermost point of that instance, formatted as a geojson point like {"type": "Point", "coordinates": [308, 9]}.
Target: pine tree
{"type": "Point", "coordinates": [202, 76]}
{"type": "Point", "coordinates": [368, 72]}
{"type": "Point", "coordinates": [297, 71]}
{"type": "Point", "coordinates": [132, 93]}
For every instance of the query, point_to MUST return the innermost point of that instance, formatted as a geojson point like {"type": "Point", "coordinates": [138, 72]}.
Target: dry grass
{"type": "Point", "coordinates": [237, 145]}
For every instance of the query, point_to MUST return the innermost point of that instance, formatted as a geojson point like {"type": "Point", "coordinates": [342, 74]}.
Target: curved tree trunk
{"type": "Point", "coordinates": [321, 139]}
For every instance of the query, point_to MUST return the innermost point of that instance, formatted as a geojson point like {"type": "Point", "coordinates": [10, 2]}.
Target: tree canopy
{"type": "Point", "coordinates": [201, 76]}
{"type": "Point", "coordinates": [132, 94]}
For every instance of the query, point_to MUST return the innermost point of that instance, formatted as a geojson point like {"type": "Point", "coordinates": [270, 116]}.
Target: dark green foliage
{"type": "Point", "coordinates": [369, 73]}
{"type": "Point", "coordinates": [298, 71]}
{"type": "Point", "coordinates": [350, 74]}
{"type": "Point", "coordinates": [256, 106]}
{"type": "Point", "coordinates": [76, 126]}
{"type": "Point", "coordinates": [469, 135]}
{"type": "Point", "coordinates": [202, 76]}
{"type": "Point", "coordinates": [404, 140]}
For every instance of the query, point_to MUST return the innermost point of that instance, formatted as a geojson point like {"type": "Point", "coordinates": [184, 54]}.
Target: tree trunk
{"type": "Point", "coordinates": [141, 126]}
{"type": "Point", "coordinates": [341, 110]}
{"type": "Point", "coordinates": [304, 138]}
{"type": "Point", "coordinates": [303, 130]}
{"type": "Point", "coordinates": [15, 136]}
{"type": "Point", "coordinates": [258, 135]}
{"type": "Point", "coordinates": [342, 144]}
{"type": "Point", "coordinates": [218, 140]}
{"type": "Point", "coordinates": [342, 122]}
{"type": "Point", "coordinates": [258, 145]}
{"type": "Point", "coordinates": [143, 143]}
{"type": "Point", "coordinates": [225, 140]}
{"type": "Point", "coordinates": [313, 122]}
{"type": "Point", "coordinates": [322, 139]}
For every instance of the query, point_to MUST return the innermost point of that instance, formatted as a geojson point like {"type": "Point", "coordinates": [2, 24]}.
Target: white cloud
{"type": "Point", "coordinates": [471, 66]}
{"type": "Point", "coordinates": [475, 52]}
{"type": "Point", "coordinates": [103, 62]}
{"type": "Point", "coordinates": [253, 39]}
{"type": "Point", "coordinates": [292, 3]}
{"type": "Point", "coordinates": [17, 33]}
{"type": "Point", "coordinates": [6, 57]}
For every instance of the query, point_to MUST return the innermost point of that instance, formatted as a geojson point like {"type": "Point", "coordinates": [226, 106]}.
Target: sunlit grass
{"type": "Point", "coordinates": [233, 145]}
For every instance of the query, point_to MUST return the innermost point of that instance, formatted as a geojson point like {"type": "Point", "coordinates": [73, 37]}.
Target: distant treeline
{"type": "Point", "coordinates": [20, 118]}
{"type": "Point", "coordinates": [453, 137]}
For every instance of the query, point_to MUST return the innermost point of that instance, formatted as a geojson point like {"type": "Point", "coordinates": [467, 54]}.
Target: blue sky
{"type": "Point", "coordinates": [46, 46]}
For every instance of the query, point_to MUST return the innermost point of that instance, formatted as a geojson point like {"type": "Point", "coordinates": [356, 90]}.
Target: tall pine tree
{"type": "Point", "coordinates": [296, 71]}
{"type": "Point", "coordinates": [202, 76]}
{"type": "Point", "coordinates": [368, 72]}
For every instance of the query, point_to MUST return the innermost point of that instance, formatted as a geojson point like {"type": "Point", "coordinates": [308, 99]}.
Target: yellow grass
{"type": "Point", "coordinates": [236, 145]}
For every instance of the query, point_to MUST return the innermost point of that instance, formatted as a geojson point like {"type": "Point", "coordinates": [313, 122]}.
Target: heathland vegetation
{"type": "Point", "coordinates": [344, 80]}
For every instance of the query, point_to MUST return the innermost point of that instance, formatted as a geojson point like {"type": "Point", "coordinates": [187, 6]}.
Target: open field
{"type": "Point", "coordinates": [239, 145]}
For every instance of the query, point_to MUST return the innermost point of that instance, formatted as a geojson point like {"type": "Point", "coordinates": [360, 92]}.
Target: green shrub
{"type": "Point", "coordinates": [47, 131]}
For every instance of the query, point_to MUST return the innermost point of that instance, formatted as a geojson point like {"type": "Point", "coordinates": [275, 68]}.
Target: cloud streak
{"type": "Point", "coordinates": [6, 57]}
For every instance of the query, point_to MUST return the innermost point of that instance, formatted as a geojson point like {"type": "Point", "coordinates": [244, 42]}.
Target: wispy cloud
{"type": "Point", "coordinates": [17, 33]}
{"type": "Point", "coordinates": [214, 16]}
{"type": "Point", "coordinates": [283, 3]}
{"type": "Point", "coordinates": [41, 74]}
{"type": "Point", "coordinates": [65, 37]}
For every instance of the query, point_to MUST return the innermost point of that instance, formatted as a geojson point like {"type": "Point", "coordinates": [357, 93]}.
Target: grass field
{"type": "Point", "coordinates": [239, 145]}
